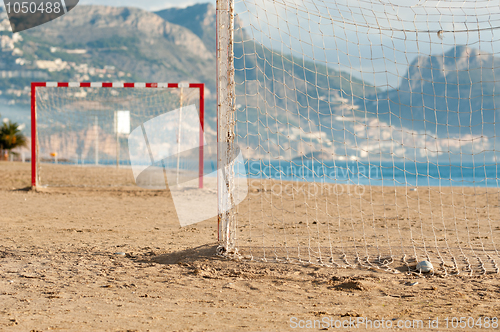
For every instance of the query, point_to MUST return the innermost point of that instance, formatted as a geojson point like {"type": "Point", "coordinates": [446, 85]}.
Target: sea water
{"type": "Point", "coordinates": [469, 174]}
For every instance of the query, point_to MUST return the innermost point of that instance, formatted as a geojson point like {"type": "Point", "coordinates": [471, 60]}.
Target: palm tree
{"type": "Point", "coordinates": [11, 137]}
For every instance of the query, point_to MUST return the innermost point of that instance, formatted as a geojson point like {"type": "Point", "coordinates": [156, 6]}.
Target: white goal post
{"type": "Point", "coordinates": [368, 130]}
{"type": "Point", "coordinates": [77, 126]}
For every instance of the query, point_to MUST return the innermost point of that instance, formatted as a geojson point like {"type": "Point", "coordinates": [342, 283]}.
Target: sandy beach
{"type": "Point", "coordinates": [116, 259]}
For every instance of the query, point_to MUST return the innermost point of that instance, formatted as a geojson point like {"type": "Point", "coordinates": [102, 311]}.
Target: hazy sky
{"type": "Point", "coordinates": [148, 4]}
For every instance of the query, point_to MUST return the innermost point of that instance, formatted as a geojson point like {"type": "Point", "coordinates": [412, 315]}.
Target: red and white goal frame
{"type": "Point", "coordinates": [35, 85]}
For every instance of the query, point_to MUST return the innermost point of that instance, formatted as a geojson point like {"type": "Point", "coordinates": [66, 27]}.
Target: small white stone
{"type": "Point", "coordinates": [424, 267]}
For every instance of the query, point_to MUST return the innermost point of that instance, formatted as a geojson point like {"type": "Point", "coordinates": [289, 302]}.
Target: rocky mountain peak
{"type": "Point", "coordinates": [448, 67]}
{"type": "Point", "coordinates": [86, 24]}
{"type": "Point", "coordinates": [199, 18]}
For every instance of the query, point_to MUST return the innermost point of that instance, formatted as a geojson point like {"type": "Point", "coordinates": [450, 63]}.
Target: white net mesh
{"type": "Point", "coordinates": [82, 133]}
{"type": "Point", "coordinates": [369, 129]}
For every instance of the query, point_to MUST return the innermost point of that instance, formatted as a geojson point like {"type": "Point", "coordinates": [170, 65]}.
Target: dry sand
{"type": "Point", "coordinates": [59, 271]}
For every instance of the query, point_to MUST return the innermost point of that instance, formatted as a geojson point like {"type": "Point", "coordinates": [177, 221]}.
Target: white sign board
{"type": "Point", "coordinates": [122, 122]}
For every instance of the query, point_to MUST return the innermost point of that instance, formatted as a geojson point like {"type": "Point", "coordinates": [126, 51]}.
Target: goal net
{"type": "Point", "coordinates": [81, 133]}
{"type": "Point", "coordinates": [368, 130]}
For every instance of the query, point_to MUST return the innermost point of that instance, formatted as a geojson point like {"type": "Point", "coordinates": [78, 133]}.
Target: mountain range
{"type": "Point", "coordinates": [287, 105]}
{"type": "Point", "coordinates": [453, 93]}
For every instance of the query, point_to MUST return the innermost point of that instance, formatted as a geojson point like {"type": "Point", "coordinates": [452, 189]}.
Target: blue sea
{"type": "Point", "coordinates": [378, 174]}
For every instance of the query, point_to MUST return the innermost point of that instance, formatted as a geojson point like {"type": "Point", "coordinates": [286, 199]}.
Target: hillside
{"type": "Point", "coordinates": [98, 43]}
{"type": "Point", "coordinates": [296, 105]}
{"type": "Point", "coordinates": [132, 40]}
